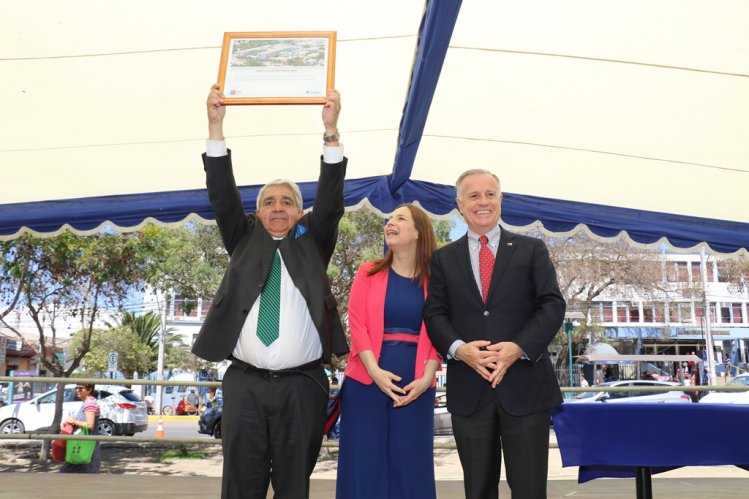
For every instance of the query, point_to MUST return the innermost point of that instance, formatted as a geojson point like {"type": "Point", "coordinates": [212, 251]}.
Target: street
{"type": "Point", "coordinates": [174, 427]}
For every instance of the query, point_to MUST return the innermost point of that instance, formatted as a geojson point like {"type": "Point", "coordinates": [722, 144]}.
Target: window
{"type": "Point", "coordinates": [130, 395]}
{"type": "Point", "coordinates": [696, 272]}
{"type": "Point", "coordinates": [633, 312]}
{"type": "Point", "coordinates": [683, 312]}
{"type": "Point", "coordinates": [647, 313]}
{"type": "Point", "coordinates": [621, 313]}
{"type": "Point", "coordinates": [643, 394]}
{"type": "Point", "coordinates": [660, 312]}
{"type": "Point", "coordinates": [70, 395]}
{"type": "Point", "coordinates": [185, 307]}
{"type": "Point", "coordinates": [737, 315]}
{"type": "Point", "coordinates": [620, 395]}
{"type": "Point", "coordinates": [608, 311]}
{"type": "Point", "coordinates": [725, 314]}
{"type": "Point", "coordinates": [48, 399]}
{"type": "Point", "coordinates": [710, 274]}
{"type": "Point", "coordinates": [206, 306]}
{"type": "Point", "coordinates": [681, 268]}
{"type": "Point", "coordinates": [723, 274]}
{"type": "Point", "coordinates": [699, 311]}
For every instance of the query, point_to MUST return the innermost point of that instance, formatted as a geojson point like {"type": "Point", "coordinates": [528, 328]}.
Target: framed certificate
{"type": "Point", "coordinates": [281, 67]}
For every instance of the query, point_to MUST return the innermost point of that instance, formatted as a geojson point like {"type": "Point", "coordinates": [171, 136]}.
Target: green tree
{"type": "Point", "coordinates": [360, 239]}
{"type": "Point", "coordinates": [182, 358]}
{"type": "Point", "coordinates": [66, 278]}
{"type": "Point", "coordinates": [133, 355]}
{"type": "Point", "coordinates": [192, 261]}
{"type": "Point", "coordinates": [147, 328]}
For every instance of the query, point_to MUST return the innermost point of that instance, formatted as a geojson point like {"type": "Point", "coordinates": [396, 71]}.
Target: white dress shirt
{"type": "Point", "coordinates": [298, 342]}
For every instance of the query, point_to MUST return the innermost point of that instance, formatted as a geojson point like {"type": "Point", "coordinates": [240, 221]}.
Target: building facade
{"type": "Point", "coordinates": [675, 319]}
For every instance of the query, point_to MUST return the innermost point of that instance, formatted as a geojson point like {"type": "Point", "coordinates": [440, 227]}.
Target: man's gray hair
{"type": "Point", "coordinates": [281, 181]}
{"type": "Point", "coordinates": [475, 171]}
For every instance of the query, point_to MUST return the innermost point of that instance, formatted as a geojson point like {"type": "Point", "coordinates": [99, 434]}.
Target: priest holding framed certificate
{"type": "Point", "coordinates": [274, 316]}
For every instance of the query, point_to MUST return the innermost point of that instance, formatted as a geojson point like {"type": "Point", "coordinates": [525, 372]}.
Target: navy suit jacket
{"type": "Point", "coordinates": [306, 252]}
{"type": "Point", "coordinates": [524, 305]}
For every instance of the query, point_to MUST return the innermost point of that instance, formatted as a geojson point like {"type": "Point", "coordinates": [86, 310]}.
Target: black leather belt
{"type": "Point", "coordinates": [275, 373]}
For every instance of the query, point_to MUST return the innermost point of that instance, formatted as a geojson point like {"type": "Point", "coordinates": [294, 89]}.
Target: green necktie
{"type": "Point", "coordinates": [270, 304]}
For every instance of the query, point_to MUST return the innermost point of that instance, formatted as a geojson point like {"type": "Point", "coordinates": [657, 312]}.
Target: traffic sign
{"type": "Point", "coordinates": [113, 357]}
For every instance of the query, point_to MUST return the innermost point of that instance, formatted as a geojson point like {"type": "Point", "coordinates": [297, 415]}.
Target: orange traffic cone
{"type": "Point", "coordinates": [160, 429]}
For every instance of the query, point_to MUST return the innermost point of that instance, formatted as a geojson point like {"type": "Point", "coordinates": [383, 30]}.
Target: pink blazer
{"type": "Point", "coordinates": [366, 317]}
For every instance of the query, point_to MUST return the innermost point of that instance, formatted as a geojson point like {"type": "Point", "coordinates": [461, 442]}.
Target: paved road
{"type": "Point", "coordinates": [174, 427]}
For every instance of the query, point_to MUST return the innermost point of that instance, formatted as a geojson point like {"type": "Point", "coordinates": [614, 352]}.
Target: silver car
{"type": "Point", "coordinates": [634, 396]}
{"type": "Point", "coordinates": [443, 423]}
{"type": "Point", "coordinates": [122, 412]}
{"type": "Point", "coordinates": [729, 397]}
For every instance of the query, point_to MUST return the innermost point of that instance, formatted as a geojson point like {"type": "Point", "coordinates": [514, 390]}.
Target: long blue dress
{"type": "Point", "coordinates": [387, 452]}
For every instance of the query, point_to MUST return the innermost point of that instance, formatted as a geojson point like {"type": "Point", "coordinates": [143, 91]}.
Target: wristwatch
{"type": "Point", "coordinates": [331, 138]}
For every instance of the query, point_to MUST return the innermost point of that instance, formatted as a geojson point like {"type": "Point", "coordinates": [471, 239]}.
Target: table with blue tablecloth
{"type": "Point", "coordinates": [635, 440]}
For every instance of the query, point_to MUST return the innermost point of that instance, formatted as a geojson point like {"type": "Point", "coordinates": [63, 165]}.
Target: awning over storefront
{"type": "Point", "coordinates": [675, 333]}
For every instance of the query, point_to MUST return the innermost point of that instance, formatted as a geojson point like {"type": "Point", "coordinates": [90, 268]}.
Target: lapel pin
{"type": "Point", "coordinates": [509, 245]}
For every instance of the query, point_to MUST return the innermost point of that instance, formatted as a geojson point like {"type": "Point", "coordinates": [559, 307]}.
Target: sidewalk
{"type": "Point", "coordinates": [54, 485]}
{"type": "Point", "coordinates": [133, 472]}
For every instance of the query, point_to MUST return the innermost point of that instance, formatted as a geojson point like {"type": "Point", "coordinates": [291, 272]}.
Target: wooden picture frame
{"type": "Point", "coordinates": [277, 67]}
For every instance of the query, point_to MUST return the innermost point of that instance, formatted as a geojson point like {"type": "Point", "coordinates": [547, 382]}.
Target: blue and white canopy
{"type": "Point", "coordinates": [619, 117]}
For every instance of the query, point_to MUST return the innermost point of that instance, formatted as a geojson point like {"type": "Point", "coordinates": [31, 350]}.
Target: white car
{"type": "Point", "coordinates": [664, 397]}
{"type": "Point", "coordinates": [729, 397]}
{"type": "Point", "coordinates": [443, 424]}
{"type": "Point", "coordinates": [122, 412]}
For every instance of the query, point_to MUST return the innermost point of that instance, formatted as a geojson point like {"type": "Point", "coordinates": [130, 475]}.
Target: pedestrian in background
{"type": "Point", "coordinates": [86, 417]}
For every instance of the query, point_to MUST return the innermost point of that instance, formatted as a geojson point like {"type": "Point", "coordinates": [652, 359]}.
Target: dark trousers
{"type": "Point", "coordinates": [272, 429]}
{"type": "Point", "coordinates": [487, 434]}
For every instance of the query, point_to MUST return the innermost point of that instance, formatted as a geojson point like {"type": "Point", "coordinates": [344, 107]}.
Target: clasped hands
{"type": "Point", "coordinates": [491, 361]}
{"type": "Point", "coordinates": [385, 381]}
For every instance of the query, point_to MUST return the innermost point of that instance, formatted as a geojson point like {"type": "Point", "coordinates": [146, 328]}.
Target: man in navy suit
{"type": "Point", "coordinates": [493, 307]}
{"type": "Point", "coordinates": [274, 316]}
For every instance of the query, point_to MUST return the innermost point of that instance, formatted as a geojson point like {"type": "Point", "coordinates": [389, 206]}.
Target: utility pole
{"type": "Point", "coordinates": [160, 299]}
{"type": "Point", "coordinates": [709, 346]}
{"type": "Point", "coordinates": [569, 326]}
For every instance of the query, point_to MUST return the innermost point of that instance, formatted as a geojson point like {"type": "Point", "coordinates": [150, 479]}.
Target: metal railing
{"type": "Point", "coordinates": [325, 444]}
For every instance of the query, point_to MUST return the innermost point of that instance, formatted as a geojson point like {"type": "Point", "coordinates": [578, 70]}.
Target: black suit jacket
{"type": "Point", "coordinates": [306, 252]}
{"type": "Point", "coordinates": [524, 305]}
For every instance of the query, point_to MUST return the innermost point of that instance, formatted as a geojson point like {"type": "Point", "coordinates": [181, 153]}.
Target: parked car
{"type": "Point", "coordinates": [443, 424]}
{"type": "Point", "coordinates": [209, 422]}
{"type": "Point", "coordinates": [664, 397]}
{"type": "Point", "coordinates": [122, 412]}
{"type": "Point", "coordinates": [729, 397]}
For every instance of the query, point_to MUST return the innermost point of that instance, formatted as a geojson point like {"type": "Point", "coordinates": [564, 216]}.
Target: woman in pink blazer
{"type": "Point", "coordinates": [387, 406]}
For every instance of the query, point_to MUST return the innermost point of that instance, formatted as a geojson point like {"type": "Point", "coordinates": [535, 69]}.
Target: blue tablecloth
{"type": "Point", "coordinates": [611, 440]}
